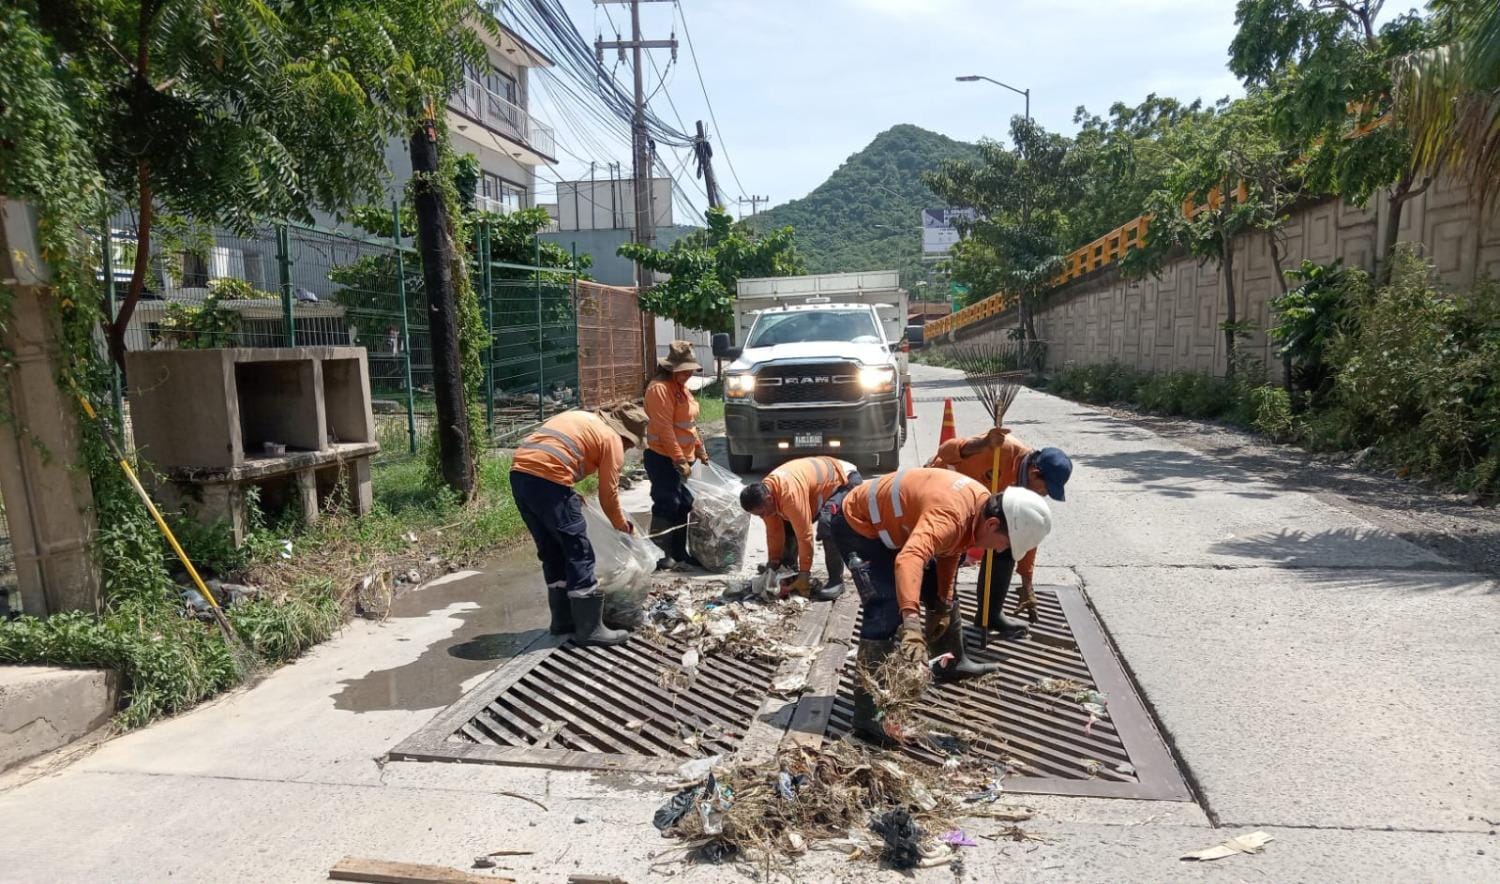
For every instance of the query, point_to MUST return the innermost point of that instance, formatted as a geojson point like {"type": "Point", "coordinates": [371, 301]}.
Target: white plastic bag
{"type": "Point", "coordinates": [623, 565]}
{"type": "Point", "coordinates": [720, 526]}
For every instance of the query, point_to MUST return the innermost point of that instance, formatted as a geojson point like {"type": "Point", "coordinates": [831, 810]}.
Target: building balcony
{"type": "Point", "coordinates": [530, 141]}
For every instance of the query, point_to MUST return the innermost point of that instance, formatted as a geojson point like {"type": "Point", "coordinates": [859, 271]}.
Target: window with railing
{"type": "Point", "coordinates": [492, 97]}
{"type": "Point", "coordinates": [498, 195]}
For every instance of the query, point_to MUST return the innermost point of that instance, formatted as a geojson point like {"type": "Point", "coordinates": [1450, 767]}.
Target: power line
{"type": "Point", "coordinates": [723, 145]}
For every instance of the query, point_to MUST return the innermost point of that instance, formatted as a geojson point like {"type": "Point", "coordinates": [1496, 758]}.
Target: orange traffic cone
{"type": "Point", "coordinates": [949, 430]}
{"type": "Point", "coordinates": [911, 407]}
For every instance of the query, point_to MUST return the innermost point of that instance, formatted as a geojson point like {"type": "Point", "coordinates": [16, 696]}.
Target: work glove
{"type": "Point", "coordinates": [799, 585]}
{"type": "Point", "coordinates": [913, 644]}
{"type": "Point", "coordinates": [1026, 601]}
{"type": "Point", "coordinates": [996, 436]}
{"type": "Point", "coordinates": [685, 469]}
{"type": "Point", "coordinates": [938, 621]}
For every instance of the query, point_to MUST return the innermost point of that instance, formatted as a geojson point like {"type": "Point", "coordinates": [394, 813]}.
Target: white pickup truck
{"type": "Point", "coordinates": [822, 369]}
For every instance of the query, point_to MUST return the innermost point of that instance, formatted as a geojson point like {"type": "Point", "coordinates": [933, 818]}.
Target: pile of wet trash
{"type": "Point", "coordinates": [845, 796]}
{"type": "Point", "coordinates": [723, 617]}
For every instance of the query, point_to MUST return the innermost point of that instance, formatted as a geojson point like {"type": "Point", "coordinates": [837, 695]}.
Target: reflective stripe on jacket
{"type": "Point", "coordinates": [573, 445]}
{"type": "Point", "coordinates": [927, 514]}
{"type": "Point", "coordinates": [798, 489]}
{"type": "Point", "coordinates": [978, 466]}
{"type": "Point", "coordinates": [672, 418]}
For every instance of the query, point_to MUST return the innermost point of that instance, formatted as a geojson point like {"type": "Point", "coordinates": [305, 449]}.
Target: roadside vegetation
{"type": "Point", "coordinates": [1405, 371]}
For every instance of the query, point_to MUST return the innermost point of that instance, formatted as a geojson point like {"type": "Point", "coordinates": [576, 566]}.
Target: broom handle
{"type": "Point", "coordinates": [989, 554]}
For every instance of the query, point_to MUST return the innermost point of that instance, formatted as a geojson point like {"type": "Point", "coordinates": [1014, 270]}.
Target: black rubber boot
{"type": "Point", "coordinates": [589, 628]}
{"type": "Point", "coordinates": [835, 585]}
{"type": "Point", "coordinates": [866, 720]}
{"type": "Point", "coordinates": [661, 535]}
{"type": "Point", "coordinates": [827, 592]}
{"type": "Point", "coordinates": [679, 547]}
{"type": "Point", "coordinates": [951, 641]}
{"type": "Point", "coordinates": [562, 612]}
{"type": "Point", "coordinates": [1008, 628]}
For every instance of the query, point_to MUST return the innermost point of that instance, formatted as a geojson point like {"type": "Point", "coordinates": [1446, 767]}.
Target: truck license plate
{"type": "Point", "coordinates": [808, 440]}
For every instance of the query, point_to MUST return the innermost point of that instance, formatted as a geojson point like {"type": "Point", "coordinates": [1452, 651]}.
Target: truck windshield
{"type": "Point", "coordinates": [855, 326]}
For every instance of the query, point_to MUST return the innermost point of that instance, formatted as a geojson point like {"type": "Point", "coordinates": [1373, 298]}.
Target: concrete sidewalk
{"type": "Point", "coordinates": [1321, 680]}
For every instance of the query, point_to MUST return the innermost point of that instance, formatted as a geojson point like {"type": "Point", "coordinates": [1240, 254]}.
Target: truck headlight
{"type": "Point", "coordinates": [738, 386]}
{"type": "Point", "coordinates": [878, 379]}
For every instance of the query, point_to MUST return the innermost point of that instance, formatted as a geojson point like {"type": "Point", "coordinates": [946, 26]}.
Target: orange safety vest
{"type": "Point", "coordinates": [569, 447]}
{"type": "Point", "coordinates": [927, 514]}
{"type": "Point", "coordinates": [798, 490]}
{"type": "Point", "coordinates": [672, 418]}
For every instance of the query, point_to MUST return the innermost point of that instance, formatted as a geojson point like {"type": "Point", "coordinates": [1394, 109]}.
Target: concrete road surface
{"type": "Point", "coordinates": [1320, 679]}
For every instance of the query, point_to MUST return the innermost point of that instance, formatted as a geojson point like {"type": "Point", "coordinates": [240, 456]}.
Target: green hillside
{"type": "Point", "coordinates": [881, 185]}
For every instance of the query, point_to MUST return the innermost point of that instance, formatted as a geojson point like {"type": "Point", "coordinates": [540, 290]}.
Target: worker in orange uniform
{"type": "Point", "coordinates": [548, 463]}
{"type": "Point", "coordinates": [789, 501]}
{"type": "Point", "coordinates": [1045, 471]}
{"type": "Point", "coordinates": [889, 531]}
{"type": "Point", "coordinates": [673, 444]}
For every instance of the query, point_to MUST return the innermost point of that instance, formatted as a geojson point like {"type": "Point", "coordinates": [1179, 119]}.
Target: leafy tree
{"type": "Point", "coordinates": [1229, 178]}
{"type": "Point", "coordinates": [1127, 157]}
{"type": "Point", "coordinates": [1310, 319]}
{"type": "Point", "coordinates": [1024, 198]}
{"type": "Point", "coordinates": [705, 267]}
{"type": "Point", "coordinates": [1330, 68]}
{"type": "Point", "coordinates": [1448, 95]}
{"type": "Point", "coordinates": [972, 262]}
{"type": "Point", "coordinates": [233, 112]}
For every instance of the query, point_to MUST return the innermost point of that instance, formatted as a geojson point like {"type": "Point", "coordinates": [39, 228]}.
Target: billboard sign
{"type": "Point", "coordinates": [940, 229]}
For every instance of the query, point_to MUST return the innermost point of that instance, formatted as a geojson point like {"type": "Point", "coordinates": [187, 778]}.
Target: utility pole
{"type": "Point", "coordinates": [645, 225]}
{"type": "Point", "coordinates": [754, 202]}
{"type": "Point", "coordinates": [705, 154]}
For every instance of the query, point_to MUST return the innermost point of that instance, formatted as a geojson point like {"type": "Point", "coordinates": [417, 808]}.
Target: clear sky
{"type": "Point", "coordinates": [800, 85]}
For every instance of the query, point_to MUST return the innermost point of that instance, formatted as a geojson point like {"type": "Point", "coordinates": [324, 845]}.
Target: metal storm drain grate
{"type": "Point", "coordinates": [560, 705]}
{"type": "Point", "coordinates": [1047, 741]}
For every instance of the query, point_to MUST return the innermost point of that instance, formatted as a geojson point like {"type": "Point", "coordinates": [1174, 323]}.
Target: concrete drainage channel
{"type": "Point", "coordinates": [558, 705]}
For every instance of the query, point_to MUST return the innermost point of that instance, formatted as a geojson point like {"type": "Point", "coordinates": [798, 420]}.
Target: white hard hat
{"type": "Point", "coordinates": [1027, 519]}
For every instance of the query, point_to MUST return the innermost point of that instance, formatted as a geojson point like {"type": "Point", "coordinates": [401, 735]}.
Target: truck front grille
{"type": "Point", "coordinates": [808, 424]}
{"type": "Point", "coordinates": [820, 382]}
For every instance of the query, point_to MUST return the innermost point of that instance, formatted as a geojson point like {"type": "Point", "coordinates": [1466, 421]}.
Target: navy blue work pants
{"type": "Point", "coordinates": [553, 514]}
{"type": "Point", "coordinates": [670, 497]}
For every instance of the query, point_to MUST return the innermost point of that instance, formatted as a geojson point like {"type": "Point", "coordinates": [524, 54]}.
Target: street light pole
{"type": "Point", "coordinates": [1025, 93]}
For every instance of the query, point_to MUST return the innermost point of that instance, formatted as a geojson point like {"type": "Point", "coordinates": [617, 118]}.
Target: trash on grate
{"type": "Point", "coordinates": [1056, 687]}
{"type": "Point", "coordinates": [706, 617]}
{"type": "Point", "coordinates": [825, 798]}
{"type": "Point", "coordinates": [1251, 843]}
{"type": "Point", "coordinates": [897, 687]}
{"type": "Point", "coordinates": [719, 525]}
{"type": "Point", "coordinates": [623, 564]}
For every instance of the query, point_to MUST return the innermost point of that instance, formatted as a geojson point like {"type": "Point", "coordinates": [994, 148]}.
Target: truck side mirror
{"type": "Point", "coordinates": [723, 349]}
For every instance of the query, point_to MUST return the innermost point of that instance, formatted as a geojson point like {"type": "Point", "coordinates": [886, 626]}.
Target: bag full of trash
{"type": "Point", "coordinates": [623, 565]}
{"type": "Point", "coordinates": [719, 526]}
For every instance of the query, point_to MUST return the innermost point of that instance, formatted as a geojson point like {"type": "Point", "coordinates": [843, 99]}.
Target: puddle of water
{"type": "Point", "coordinates": [510, 610]}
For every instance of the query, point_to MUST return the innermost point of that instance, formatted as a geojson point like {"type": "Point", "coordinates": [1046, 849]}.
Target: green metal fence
{"type": "Point", "coordinates": [311, 286]}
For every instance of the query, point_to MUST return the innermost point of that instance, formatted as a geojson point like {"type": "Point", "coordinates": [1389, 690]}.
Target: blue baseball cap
{"type": "Point", "coordinates": [1055, 468]}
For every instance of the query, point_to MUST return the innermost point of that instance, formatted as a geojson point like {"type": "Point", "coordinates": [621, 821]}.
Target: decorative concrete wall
{"type": "Point", "coordinates": [1171, 322]}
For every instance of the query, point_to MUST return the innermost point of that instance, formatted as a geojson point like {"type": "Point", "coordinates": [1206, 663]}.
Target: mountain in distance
{"type": "Point", "coordinates": [868, 214]}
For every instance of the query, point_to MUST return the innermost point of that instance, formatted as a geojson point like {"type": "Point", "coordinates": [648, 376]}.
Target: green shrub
{"type": "Point", "coordinates": [1272, 412]}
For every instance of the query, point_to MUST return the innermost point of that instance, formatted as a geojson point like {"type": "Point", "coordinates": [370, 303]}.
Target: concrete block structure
{"type": "Point", "coordinates": [293, 423]}
{"type": "Point", "coordinates": [44, 708]}
{"type": "Point", "coordinates": [48, 501]}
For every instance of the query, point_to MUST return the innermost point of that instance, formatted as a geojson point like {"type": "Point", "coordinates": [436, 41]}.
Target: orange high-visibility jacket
{"type": "Point", "coordinates": [573, 445]}
{"type": "Point", "coordinates": [672, 415]}
{"type": "Point", "coordinates": [799, 488]}
{"type": "Point", "coordinates": [978, 466]}
{"type": "Point", "coordinates": [926, 514]}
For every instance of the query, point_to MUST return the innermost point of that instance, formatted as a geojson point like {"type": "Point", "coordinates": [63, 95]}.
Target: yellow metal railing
{"type": "Point", "coordinates": [1111, 247]}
